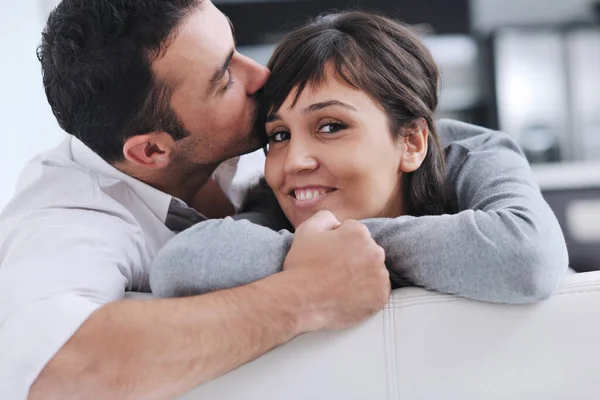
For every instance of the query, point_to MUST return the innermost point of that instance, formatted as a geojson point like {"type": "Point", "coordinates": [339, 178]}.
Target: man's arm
{"type": "Point", "coordinates": [95, 347]}
{"type": "Point", "coordinates": [159, 349]}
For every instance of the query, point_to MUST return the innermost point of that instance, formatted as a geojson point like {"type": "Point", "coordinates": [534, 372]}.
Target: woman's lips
{"type": "Point", "coordinates": [308, 197]}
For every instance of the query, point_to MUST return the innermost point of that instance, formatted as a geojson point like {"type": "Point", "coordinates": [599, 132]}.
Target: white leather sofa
{"type": "Point", "coordinates": [429, 346]}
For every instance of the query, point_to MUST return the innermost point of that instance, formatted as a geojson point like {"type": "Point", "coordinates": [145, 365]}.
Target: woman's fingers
{"type": "Point", "coordinates": [320, 222]}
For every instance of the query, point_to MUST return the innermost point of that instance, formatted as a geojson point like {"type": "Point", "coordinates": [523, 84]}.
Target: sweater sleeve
{"type": "Point", "coordinates": [503, 245]}
{"type": "Point", "coordinates": [225, 253]}
{"type": "Point", "coordinates": [218, 254]}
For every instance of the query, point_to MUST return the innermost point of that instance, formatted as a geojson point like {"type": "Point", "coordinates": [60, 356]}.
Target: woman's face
{"type": "Point", "coordinates": [334, 151]}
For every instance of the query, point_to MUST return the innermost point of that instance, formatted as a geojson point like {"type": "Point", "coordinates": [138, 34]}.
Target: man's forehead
{"type": "Point", "coordinates": [230, 26]}
{"type": "Point", "coordinates": [202, 43]}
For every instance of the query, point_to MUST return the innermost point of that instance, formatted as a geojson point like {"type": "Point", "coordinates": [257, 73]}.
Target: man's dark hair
{"type": "Point", "coordinates": [381, 57]}
{"type": "Point", "coordinates": [96, 58]}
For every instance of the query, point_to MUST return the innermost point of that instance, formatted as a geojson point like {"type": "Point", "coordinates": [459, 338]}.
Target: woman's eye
{"type": "Point", "coordinates": [280, 136]}
{"type": "Point", "coordinates": [332, 127]}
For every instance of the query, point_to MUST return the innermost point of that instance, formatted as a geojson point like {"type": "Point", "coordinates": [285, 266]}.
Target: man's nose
{"type": "Point", "coordinates": [257, 76]}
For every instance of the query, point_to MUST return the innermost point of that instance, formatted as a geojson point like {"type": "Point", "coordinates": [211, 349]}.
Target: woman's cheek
{"type": "Point", "coordinates": [269, 171]}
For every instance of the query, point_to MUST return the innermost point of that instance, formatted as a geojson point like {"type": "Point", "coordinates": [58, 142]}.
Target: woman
{"type": "Point", "coordinates": [348, 116]}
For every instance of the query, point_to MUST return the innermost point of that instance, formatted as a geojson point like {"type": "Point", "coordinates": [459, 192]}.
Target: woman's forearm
{"type": "Point", "coordinates": [488, 256]}
{"type": "Point", "coordinates": [218, 254]}
{"type": "Point", "coordinates": [494, 256]}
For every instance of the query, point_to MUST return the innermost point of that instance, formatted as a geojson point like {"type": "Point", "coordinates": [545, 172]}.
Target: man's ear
{"type": "Point", "coordinates": [152, 150]}
{"type": "Point", "coordinates": [415, 146]}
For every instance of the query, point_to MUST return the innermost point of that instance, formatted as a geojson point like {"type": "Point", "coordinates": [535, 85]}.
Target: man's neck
{"type": "Point", "coordinates": [182, 183]}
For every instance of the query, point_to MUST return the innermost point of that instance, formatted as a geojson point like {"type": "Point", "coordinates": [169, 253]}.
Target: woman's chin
{"type": "Point", "coordinates": [299, 211]}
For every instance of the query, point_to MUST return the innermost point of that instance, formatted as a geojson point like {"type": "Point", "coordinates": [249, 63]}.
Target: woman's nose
{"type": "Point", "coordinates": [300, 157]}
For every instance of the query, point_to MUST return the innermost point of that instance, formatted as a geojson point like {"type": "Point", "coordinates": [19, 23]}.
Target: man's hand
{"type": "Point", "coordinates": [342, 270]}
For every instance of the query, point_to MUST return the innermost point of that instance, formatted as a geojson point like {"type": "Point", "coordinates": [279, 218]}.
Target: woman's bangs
{"type": "Point", "coordinates": [307, 68]}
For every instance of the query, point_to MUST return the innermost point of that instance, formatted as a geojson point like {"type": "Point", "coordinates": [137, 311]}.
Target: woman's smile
{"type": "Point", "coordinates": [310, 196]}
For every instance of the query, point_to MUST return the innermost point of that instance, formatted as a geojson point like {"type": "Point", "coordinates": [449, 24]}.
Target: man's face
{"type": "Point", "coordinates": [214, 88]}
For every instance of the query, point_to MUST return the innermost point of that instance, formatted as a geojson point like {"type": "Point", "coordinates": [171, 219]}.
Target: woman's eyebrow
{"type": "Point", "coordinates": [325, 104]}
{"type": "Point", "coordinates": [315, 107]}
{"type": "Point", "coordinates": [273, 118]}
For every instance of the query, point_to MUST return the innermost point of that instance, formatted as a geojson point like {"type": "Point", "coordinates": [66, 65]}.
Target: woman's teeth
{"type": "Point", "coordinates": [309, 194]}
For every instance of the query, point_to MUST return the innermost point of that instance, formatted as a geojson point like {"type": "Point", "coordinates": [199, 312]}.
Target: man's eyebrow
{"type": "Point", "coordinates": [232, 28]}
{"type": "Point", "coordinates": [219, 74]}
{"type": "Point", "coordinates": [315, 107]}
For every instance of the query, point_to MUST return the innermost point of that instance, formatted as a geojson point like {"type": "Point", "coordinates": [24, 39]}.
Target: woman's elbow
{"type": "Point", "coordinates": [165, 276]}
{"type": "Point", "coordinates": [543, 267]}
{"type": "Point", "coordinates": [179, 270]}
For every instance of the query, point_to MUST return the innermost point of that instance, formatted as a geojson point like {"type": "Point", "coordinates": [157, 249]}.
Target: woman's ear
{"type": "Point", "coordinates": [152, 150]}
{"type": "Point", "coordinates": [415, 146]}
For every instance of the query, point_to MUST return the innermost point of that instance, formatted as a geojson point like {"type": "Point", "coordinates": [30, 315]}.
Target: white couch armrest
{"type": "Point", "coordinates": [458, 349]}
{"type": "Point", "coordinates": [426, 345]}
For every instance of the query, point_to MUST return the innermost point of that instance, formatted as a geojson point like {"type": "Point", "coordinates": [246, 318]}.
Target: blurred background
{"type": "Point", "coordinates": [528, 67]}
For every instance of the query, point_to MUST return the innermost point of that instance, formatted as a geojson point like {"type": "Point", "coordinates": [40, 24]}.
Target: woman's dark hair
{"type": "Point", "coordinates": [381, 57]}
{"type": "Point", "coordinates": [96, 58]}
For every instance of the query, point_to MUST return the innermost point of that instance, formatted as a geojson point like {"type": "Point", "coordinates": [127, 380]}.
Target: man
{"type": "Point", "coordinates": [156, 97]}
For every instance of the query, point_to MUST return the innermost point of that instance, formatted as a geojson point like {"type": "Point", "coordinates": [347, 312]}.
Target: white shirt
{"type": "Point", "coordinates": [77, 235]}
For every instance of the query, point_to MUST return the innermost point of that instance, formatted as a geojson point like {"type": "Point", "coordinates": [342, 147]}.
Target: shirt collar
{"type": "Point", "coordinates": [158, 202]}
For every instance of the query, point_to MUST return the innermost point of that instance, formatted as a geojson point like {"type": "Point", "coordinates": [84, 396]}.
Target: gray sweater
{"type": "Point", "coordinates": [500, 242]}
